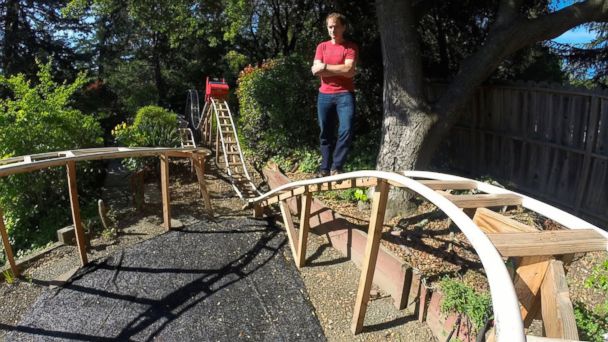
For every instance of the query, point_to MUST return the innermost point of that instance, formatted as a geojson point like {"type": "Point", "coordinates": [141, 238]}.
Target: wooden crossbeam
{"type": "Point", "coordinates": [449, 185]}
{"type": "Point", "coordinates": [557, 310]}
{"type": "Point", "coordinates": [484, 200]}
{"type": "Point", "coordinates": [492, 222]}
{"type": "Point", "coordinates": [551, 242]}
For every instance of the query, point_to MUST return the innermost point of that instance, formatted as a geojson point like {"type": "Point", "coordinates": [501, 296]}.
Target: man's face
{"type": "Point", "coordinates": [335, 28]}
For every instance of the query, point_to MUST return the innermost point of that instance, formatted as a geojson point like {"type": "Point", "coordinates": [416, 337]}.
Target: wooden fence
{"type": "Point", "coordinates": [548, 141]}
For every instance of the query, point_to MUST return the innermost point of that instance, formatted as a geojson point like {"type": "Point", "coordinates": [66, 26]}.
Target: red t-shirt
{"type": "Point", "coordinates": [330, 53]}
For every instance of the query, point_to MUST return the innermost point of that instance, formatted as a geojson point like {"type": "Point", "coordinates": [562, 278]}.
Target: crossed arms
{"type": "Point", "coordinates": [345, 70]}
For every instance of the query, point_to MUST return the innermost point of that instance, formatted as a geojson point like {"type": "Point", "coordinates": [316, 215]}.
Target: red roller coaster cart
{"type": "Point", "coordinates": [216, 89]}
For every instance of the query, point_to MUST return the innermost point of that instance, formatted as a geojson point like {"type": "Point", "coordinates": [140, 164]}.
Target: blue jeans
{"type": "Point", "coordinates": [332, 107]}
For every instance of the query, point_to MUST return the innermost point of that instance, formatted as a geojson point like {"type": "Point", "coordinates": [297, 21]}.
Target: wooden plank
{"type": "Point", "coordinates": [72, 187]}
{"type": "Point", "coordinates": [557, 310]}
{"type": "Point", "coordinates": [304, 228]}
{"type": "Point", "coordinates": [548, 242]}
{"type": "Point", "coordinates": [589, 143]}
{"type": "Point", "coordinates": [484, 200]}
{"type": "Point", "coordinates": [531, 338]}
{"type": "Point", "coordinates": [164, 186]}
{"type": "Point", "coordinates": [199, 166]}
{"type": "Point", "coordinates": [291, 232]}
{"type": "Point", "coordinates": [346, 184]}
{"type": "Point", "coordinates": [492, 222]}
{"type": "Point", "coordinates": [449, 185]}
{"type": "Point", "coordinates": [8, 249]}
{"type": "Point", "coordinates": [529, 276]}
{"type": "Point", "coordinates": [371, 254]}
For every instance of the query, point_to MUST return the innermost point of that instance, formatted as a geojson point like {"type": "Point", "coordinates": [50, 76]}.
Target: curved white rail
{"type": "Point", "coordinates": [567, 220]}
{"type": "Point", "coordinates": [509, 325]}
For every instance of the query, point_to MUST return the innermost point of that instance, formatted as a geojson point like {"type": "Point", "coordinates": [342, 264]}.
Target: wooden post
{"type": "Point", "coordinates": [376, 221]}
{"type": "Point", "coordinates": [528, 279]}
{"type": "Point", "coordinates": [72, 187]}
{"type": "Point", "coordinates": [291, 232]}
{"type": "Point", "coordinates": [199, 165]}
{"type": "Point", "coordinates": [304, 227]}
{"type": "Point", "coordinates": [8, 250]}
{"type": "Point", "coordinates": [164, 185]}
{"type": "Point", "coordinates": [557, 311]}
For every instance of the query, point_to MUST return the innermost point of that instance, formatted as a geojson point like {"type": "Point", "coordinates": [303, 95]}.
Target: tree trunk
{"type": "Point", "coordinates": [407, 119]}
{"type": "Point", "coordinates": [411, 128]}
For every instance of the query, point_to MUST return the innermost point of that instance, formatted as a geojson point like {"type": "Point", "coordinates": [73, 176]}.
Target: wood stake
{"type": "Point", "coordinates": [8, 250]}
{"type": "Point", "coordinates": [304, 227]}
{"type": "Point", "coordinates": [557, 311]}
{"type": "Point", "coordinates": [291, 232]}
{"type": "Point", "coordinates": [73, 189]}
{"type": "Point", "coordinates": [164, 186]}
{"type": "Point", "coordinates": [371, 254]}
{"type": "Point", "coordinates": [199, 165]}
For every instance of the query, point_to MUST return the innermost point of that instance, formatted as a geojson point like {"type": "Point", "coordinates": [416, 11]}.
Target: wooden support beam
{"type": "Point", "coordinates": [548, 242]}
{"type": "Point", "coordinates": [492, 222]}
{"type": "Point", "coordinates": [557, 310]}
{"type": "Point", "coordinates": [73, 189]}
{"type": "Point", "coordinates": [164, 186]}
{"type": "Point", "coordinates": [529, 276]}
{"type": "Point", "coordinates": [346, 184]}
{"type": "Point", "coordinates": [198, 161]}
{"type": "Point", "coordinates": [449, 185]}
{"type": "Point", "coordinates": [304, 227]}
{"type": "Point", "coordinates": [291, 232]}
{"type": "Point", "coordinates": [371, 254]}
{"type": "Point", "coordinates": [484, 200]}
{"type": "Point", "coordinates": [8, 249]}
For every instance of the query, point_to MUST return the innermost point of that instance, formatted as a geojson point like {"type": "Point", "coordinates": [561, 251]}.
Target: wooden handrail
{"type": "Point", "coordinates": [29, 163]}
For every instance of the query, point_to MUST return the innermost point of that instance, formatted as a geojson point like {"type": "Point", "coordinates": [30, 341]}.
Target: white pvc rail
{"type": "Point", "coordinates": [567, 220]}
{"type": "Point", "coordinates": [509, 325]}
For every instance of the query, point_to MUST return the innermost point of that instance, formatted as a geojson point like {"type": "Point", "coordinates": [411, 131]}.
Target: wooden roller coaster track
{"type": "Point", "coordinates": [216, 117]}
{"type": "Point", "coordinates": [539, 284]}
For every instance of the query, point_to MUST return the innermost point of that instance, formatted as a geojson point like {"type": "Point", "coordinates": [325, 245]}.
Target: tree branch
{"type": "Point", "coordinates": [507, 11]}
{"type": "Point", "coordinates": [554, 24]}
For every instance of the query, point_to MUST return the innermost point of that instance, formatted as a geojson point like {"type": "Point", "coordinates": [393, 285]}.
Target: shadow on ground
{"type": "Point", "coordinates": [224, 280]}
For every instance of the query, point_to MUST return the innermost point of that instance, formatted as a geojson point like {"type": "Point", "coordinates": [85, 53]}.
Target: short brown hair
{"type": "Point", "coordinates": [338, 16]}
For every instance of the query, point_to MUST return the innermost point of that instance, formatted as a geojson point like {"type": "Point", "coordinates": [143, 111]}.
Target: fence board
{"type": "Point", "coordinates": [551, 143]}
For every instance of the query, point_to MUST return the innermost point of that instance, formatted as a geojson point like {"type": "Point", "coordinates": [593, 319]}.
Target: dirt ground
{"type": "Point", "coordinates": [331, 280]}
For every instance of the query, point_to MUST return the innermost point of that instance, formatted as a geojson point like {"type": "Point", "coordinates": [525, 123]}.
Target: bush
{"type": "Point", "coordinates": [593, 323]}
{"type": "Point", "coordinates": [462, 299]}
{"type": "Point", "coordinates": [277, 108]}
{"type": "Point", "coordinates": [38, 118]}
{"type": "Point", "coordinates": [153, 127]}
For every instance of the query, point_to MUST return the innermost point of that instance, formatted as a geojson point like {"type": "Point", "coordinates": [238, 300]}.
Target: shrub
{"type": "Point", "coordinates": [462, 299]}
{"type": "Point", "coordinates": [593, 323]}
{"type": "Point", "coordinates": [36, 118]}
{"type": "Point", "coordinates": [153, 127]}
{"type": "Point", "coordinates": [277, 103]}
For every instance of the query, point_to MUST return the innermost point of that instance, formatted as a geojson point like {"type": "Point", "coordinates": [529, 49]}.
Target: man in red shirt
{"type": "Point", "coordinates": [334, 63]}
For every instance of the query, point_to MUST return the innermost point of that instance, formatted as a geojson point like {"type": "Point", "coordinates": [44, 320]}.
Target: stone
{"type": "Point", "coordinates": [67, 235]}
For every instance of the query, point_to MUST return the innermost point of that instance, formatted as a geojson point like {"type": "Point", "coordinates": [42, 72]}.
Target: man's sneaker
{"type": "Point", "coordinates": [336, 172]}
{"type": "Point", "coordinates": [322, 173]}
